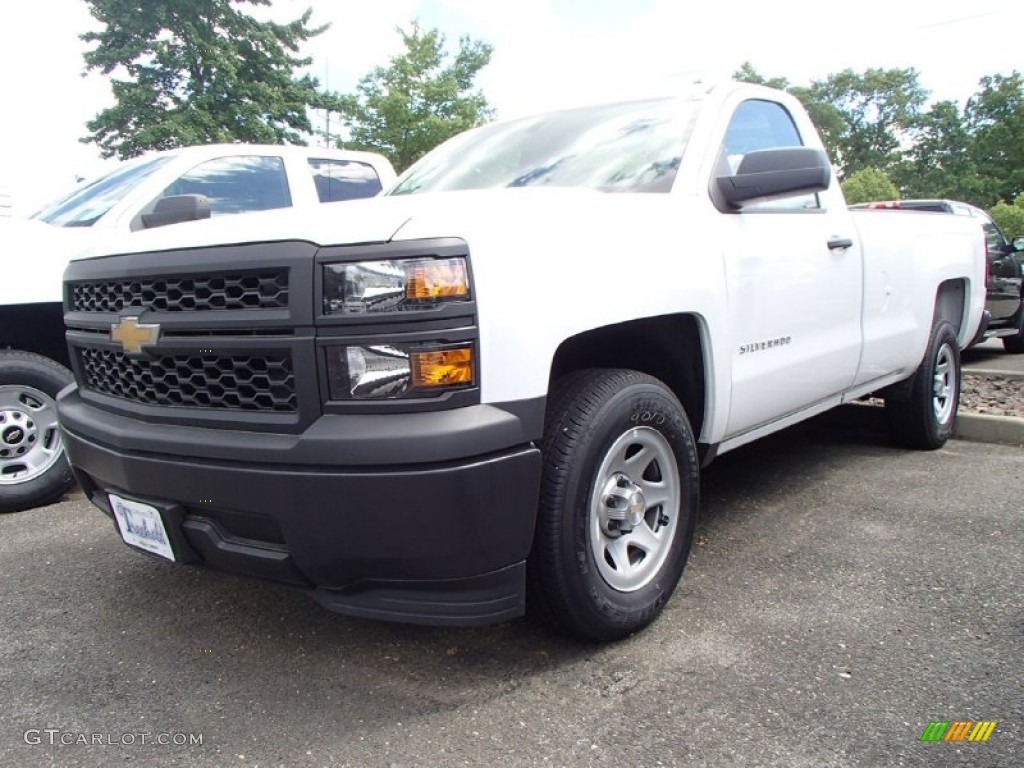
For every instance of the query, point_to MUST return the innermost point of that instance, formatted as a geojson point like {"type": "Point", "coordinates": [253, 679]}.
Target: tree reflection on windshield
{"type": "Point", "coordinates": [631, 147]}
{"type": "Point", "coordinates": [86, 204]}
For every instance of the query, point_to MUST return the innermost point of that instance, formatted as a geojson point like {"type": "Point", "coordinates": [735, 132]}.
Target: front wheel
{"type": "Point", "coordinates": [33, 467]}
{"type": "Point", "coordinates": [618, 504]}
{"type": "Point", "coordinates": [927, 418]}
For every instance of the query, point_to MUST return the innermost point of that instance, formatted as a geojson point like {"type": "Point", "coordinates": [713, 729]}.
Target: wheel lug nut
{"type": "Point", "coordinates": [610, 501]}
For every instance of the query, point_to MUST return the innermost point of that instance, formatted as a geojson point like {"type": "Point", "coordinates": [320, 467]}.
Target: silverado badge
{"type": "Point", "coordinates": [133, 335]}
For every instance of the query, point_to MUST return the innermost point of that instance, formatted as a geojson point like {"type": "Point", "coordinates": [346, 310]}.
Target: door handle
{"type": "Point", "coordinates": [836, 243]}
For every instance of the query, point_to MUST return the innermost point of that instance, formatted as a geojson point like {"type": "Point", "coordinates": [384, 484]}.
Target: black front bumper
{"type": "Point", "coordinates": [377, 515]}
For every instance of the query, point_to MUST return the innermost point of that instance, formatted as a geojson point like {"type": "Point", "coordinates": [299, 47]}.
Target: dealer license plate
{"type": "Point", "coordinates": [141, 526]}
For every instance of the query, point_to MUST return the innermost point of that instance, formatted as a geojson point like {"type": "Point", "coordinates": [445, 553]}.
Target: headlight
{"type": "Point", "coordinates": [387, 371]}
{"type": "Point", "coordinates": [396, 285]}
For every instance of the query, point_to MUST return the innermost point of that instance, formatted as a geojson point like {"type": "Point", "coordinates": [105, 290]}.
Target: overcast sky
{"type": "Point", "coordinates": [547, 53]}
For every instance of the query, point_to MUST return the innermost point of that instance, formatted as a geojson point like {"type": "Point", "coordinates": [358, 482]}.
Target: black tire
{"type": "Point", "coordinates": [927, 418]}
{"type": "Point", "coordinates": [590, 412]}
{"type": "Point", "coordinates": [1015, 344]}
{"type": "Point", "coordinates": [29, 382]}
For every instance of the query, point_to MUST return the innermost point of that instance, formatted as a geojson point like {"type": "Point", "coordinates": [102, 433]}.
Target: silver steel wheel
{"type": "Point", "coordinates": [944, 384]}
{"type": "Point", "coordinates": [634, 509]}
{"type": "Point", "coordinates": [29, 438]}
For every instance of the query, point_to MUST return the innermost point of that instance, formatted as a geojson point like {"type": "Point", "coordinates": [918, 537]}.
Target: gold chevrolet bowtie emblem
{"type": "Point", "coordinates": [132, 335]}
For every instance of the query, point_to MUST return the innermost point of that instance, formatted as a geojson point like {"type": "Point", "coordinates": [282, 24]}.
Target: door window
{"type": "Point", "coordinates": [343, 179]}
{"type": "Point", "coordinates": [994, 240]}
{"type": "Point", "coordinates": [758, 124]}
{"type": "Point", "coordinates": [236, 184]}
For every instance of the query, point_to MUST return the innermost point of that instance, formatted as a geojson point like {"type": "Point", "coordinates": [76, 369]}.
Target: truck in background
{"type": "Point", "coordinates": [156, 190]}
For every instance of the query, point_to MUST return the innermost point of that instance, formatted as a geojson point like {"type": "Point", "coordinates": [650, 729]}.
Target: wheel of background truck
{"type": "Point", "coordinates": [1015, 344]}
{"type": "Point", "coordinates": [33, 467]}
{"type": "Point", "coordinates": [618, 504]}
{"type": "Point", "coordinates": [926, 420]}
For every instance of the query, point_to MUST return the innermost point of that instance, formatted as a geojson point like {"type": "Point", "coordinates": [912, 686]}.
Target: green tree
{"type": "Point", "coordinates": [939, 163]}
{"type": "Point", "coordinates": [419, 99]}
{"type": "Point", "coordinates": [864, 116]}
{"type": "Point", "coordinates": [995, 116]}
{"type": "Point", "coordinates": [1010, 218]}
{"type": "Point", "coordinates": [197, 71]}
{"type": "Point", "coordinates": [869, 185]}
{"type": "Point", "coordinates": [748, 74]}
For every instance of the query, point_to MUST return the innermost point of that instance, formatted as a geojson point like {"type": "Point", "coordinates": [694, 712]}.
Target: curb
{"type": "Point", "coordinates": [982, 428]}
{"type": "Point", "coordinates": [992, 372]}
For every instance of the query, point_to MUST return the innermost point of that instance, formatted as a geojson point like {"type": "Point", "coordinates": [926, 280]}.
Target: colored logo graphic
{"type": "Point", "coordinates": [132, 334]}
{"type": "Point", "coordinates": [958, 730]}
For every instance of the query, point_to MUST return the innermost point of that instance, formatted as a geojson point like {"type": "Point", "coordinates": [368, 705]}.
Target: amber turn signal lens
{"type": "Point", "coordinates": [442, 368]}
{"type": "Point", "coordinates": [437, 278]}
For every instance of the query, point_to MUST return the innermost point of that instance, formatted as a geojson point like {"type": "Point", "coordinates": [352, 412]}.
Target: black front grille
{"type": "Point", "coordinates": [244, 382]}
{"type": "Point", "coordinates": [266, 289]}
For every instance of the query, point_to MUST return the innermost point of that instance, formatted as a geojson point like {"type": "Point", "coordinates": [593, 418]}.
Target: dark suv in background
{"type": "Point", "coordinates": [1005, 277]}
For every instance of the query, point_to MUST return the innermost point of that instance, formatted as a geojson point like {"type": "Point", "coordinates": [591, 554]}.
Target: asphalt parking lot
{"type": "Point", "coordinates": [990, 356]}
{"type": "Point", "coordinates": [842, 594]}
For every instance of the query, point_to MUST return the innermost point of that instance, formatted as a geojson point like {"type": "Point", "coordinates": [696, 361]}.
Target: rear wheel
{"type": "Point", "coordinates": [618, 504]}
{"type": "Point", "coordinates": [1015, 344]}
{"type": "Point", "coordinates": [926, 419]}
{"type": "Point", "coordinates": [33, 468]}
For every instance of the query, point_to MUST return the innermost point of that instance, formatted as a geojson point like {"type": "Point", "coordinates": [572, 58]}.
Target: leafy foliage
{"type": "Point", "coordinates": [995, 117]}
{"type": "Point", "coordinates": [419, 99]}
{"type": "Point", "coordinates": [939, 164]}
{"type": "Point", "coordinates": [863, 115]}
{"type": "Point", "coordinates": [1010, 218]}
{"type": "Point", "coordinates": [197, 71]}
{"type": "Point", "coordinates": [748, 74]}
{"type": "Point", "coordinates": [869, 185]}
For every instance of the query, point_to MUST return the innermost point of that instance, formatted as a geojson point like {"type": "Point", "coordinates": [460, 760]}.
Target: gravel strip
{"type": "Point", "coordinates": [992, 395]}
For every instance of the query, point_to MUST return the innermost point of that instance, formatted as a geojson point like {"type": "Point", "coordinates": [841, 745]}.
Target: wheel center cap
{"type": "Point", "coordinates": [624, 505]}
{"type": "Point", "coordinates": [13, 435]}
{"type": "Point", "coordinates": [637, 507]}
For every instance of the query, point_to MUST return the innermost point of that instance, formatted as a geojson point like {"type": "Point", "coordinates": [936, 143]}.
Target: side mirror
{"type": "Point", "coordinates": [1018, 243]}
{"type": "Point", "coordinates": [768, 173]}
{"type": "Point", "coordinates": [177, 209]}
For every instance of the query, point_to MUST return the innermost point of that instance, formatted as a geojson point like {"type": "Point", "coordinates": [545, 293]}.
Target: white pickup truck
{"type": "Point", "coordinates": [163, 188]}
{"type": "Point", "coordinates": [496, 385]}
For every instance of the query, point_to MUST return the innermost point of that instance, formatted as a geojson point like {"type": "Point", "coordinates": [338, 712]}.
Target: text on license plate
{"type": "Point", "coordinates": [141, 526]}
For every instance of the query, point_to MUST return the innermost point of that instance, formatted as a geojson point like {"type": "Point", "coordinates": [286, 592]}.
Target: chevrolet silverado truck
{"type": "Point", "coordinates": [495, 385]}
{"type": "Point", "coordinates": [163, 188]}
{"type": "Point", "coordinates": [1004, 298]}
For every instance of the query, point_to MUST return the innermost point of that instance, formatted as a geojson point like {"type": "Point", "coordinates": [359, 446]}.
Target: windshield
{"type": "Point", "coordinates": [633, 147]}
{"type": "Point", "coordinates": [83, 206]}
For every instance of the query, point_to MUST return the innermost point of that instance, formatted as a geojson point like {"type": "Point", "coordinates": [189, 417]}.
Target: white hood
{"type": "Point", "coordinates": [374, 220]}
